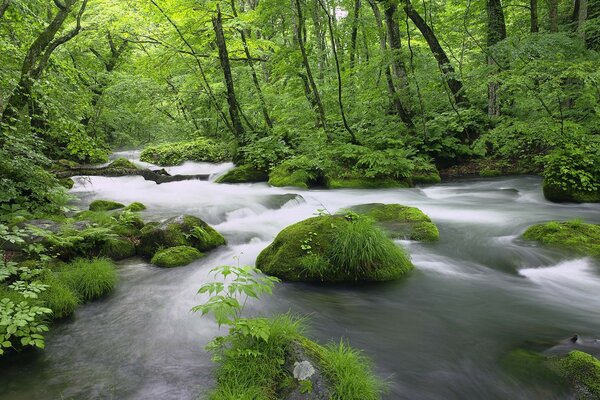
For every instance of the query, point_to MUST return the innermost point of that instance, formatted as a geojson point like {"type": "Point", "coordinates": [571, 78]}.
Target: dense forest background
{"type": "Point", "coordinates": [375, 89]}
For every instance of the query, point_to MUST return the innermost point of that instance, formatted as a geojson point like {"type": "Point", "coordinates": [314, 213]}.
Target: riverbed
{"type": "Point", "coordinates": [437, 334]}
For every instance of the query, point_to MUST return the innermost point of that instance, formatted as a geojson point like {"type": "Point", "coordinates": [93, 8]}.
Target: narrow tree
{"type": "Point", "coordinates": [533, 5]}
{"type": "Point", "coordinates": [450, 76]}
{"type": "Point", "coordinates": [236, 122]}
{"type": "Point", "coordinates": [393, 33]}
{"type": "Point", "coordinates": [496, 32]}
{"type": "Point", "coordinates": [391, 88]}
{"type": "Point", "coordinates": [37, 58]}
{"type": "Point", "coordinates": [553, 15]}
{"type": "Point", "coordinates": [354, 33]}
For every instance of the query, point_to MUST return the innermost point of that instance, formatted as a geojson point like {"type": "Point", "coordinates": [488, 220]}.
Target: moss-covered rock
{"type": "Point", "coordinates": [364, 183]}
{"type": "Point", "coordinates": [117, 249]}
{"type": "Point", "coordinates": [105, 205]}
{"type": "Point", "coordinates": [401, 222]}
{"type": "Point", "coordinates": [135, 207]}
{"type": "Point", "coordinates": [490, 173]}
{"type": "Point", "coordinates": [333, 248]}
{"type": "Point", "coordinates": [244, 174]}
{"type": "Point", "coordinates": [582, 371]}
{"type": "Point", "coordinates": [176, 256]}
{"type": "Point", "coordinates": [283, 176]}
{"type": "Point", "coordinates": [425, 177]}
{"type": "Point", "coordinates": [561, 195]}
{"type": "Point", "coordinates": [67, 183]}
{"type": "Point", "coordinates": [122, 163]}
{"type": "Point", "coordinates": [179, 231]}
{"type": "Point", "coordinates": [575, 236]}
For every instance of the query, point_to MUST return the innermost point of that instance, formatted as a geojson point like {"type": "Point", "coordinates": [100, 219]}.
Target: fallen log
{"type": "Point", "coordinates": [156, 176]}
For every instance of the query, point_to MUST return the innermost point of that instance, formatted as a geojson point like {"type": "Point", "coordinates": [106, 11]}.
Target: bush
{"type": "Point", "coordinates": [203, 149]}
{"type": "Point", "coordinates": [265, 153]}
{"type": "Point", "coordinates": [89, 279]}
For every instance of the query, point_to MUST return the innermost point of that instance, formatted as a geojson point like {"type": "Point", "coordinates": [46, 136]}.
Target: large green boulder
{"type": "Point", "coordinates": [244, 174]}
{"type": "Point", "coordinates": [105, 205]}
{"type": "Point", "coordinates": [334, 248]}
{"type": "Point", "coordinates": [176, 256]}
{"type": "Point", "coordinates": [122, 163]}
{"type": "Point", "coordinates": [558, 194]}
{"type": "Point", "coordinates": [400, 222]}
{"type": "Point", "coordinates": [574, 236]}
{"type": "Point", "coordinates": [184, 230]}
{"type": "Point", "coordinates": [582, 371]}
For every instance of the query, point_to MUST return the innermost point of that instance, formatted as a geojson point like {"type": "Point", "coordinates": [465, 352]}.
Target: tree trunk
{"type": "Point", "coordinates": [393, 33]}
{"type": "Point", "coordinates": [553, 15]}
{"type": "Point", "coordinates": [261, 97]}
{"type": "Point", "coordinates": [232, 102]}
{"type": "Point", "coordinates": [394, 97]}
{"type": "Point", "coordinates": [496, 32]}
{"type": "Point", "coordinates": [535, 27]}
{"type": "Point", "coordinates": [450, 75]}
{"type": "Point", "coordinates": [315, 97]}
{"type": "Point", "coordinates": [354, 33]}
{"type": "Point", "coordinates": [37, 58]}
{"type": "Point", "coordinates": [3, 7]}
{"type": "Point", "coordinates": [582, 15]}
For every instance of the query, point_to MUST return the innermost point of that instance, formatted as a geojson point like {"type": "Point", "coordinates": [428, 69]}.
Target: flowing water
{"type": "Point", "coordinates": [437, 334]}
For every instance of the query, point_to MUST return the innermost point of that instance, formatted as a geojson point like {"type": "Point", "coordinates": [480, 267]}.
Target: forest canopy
{"type": "Point", "coordinates": [344, 89]}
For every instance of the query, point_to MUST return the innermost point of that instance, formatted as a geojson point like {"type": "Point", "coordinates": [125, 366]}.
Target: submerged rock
{"type": "Point", "coordinates": [184, 230]}
{"type": "Point", "coordinates": [105, 205]}
{"type": "Point", "coordinates": [574, 236]}
{"type": "Point", "coordinates": [333, 249]}
{"type": "Point", "coordinates": [400, 222]}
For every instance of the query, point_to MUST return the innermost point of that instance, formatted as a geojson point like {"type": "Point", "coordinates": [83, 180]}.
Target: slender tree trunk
{"type": "Point", "coordinates": [37, 58]}
{"type": "Point", "coordinates": [236, 122]}
{"type": "Point", "coordinates": [354, 34]}
{"type": "Point", "coordinates": [582, 15]}
{"type": "Point", "coordinates": [553, 15]}
{"type": "Point", "coordinates": [450, 76]}
{"type": "Point", "coordinates": [3, 7]}
{"type": "Point", "coordinates": [393, 33]}
{"type": "Point", "coordinates": [261, 97]}
{"type": "Point", "coordinates": [496, 32]}
{"type": "Point", "coordinates": [315, 97]}
{"type": "Point", "coordinates": [394, 96]}
{"type": "Point", "coordinates": [533, 5]}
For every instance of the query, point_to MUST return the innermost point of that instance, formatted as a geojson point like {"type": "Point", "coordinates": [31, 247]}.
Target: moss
{"type": "Point", "coordinates": [582, 370]}
{"type": "Point", "coordinates": [89, 279]}
{"type": "Point", "coordinates": [576, 236]}
{"type": "Point", "coordinates": [401, 222]}
{"type": "Point", "coordinates": [179, 231]}
{"type": "Point", "coordinates": [176, 256]}
{"type": "Point", "coordinates": [531, 367]}
{"type": "Point", "coordinates": [364, 183]}
{"type": "Point", "coordinates": [67, 164]}
{"type": "Point", "coordinates": [202, 149]}
{"type": "Point", "coordinates": [135, 207]}
{"type": "Point", "coordinates": [122, 163]}
{"type": "Point", "coordinates": [117, 249]}
{"type": "Point", "coordinates": [490, 173]}
{"type": "Point", "coordinates": [67, 183]}
{"type": "Point", "coordinates": [560, 195]}
{"type": "Point", "coordinates": [244, 174]}
{"type": "Point", "coordinates": [105, 205]}
{"type": "Point", "coordinates": [58, 296]}
{"type": "Point", "coordinates": [352, 251]}
{"type": "Point", "coordinates": [282, 176]}
{"type": "Point", "coordinates": [426, 177]}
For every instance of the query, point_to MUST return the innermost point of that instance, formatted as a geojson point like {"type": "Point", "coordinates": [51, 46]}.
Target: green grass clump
{"type": "Point", "coordinates": [259, 376]}
{"type": "Point", "coordinates": [583, 371]}
{"type": "Point", "coordinates": [122, 163]}
{"type": "Point", "coordinates": [201, 149]}
{"type": "Point", "coordinates": [105, 205]}
{"type": "Point", "coordinates": [350, 372]}
{"type": "Point", "coordinates": [580, 238]}
{"type": "Point", "coordinates": [401, 222]}
{"type": "Point", "coordinates": [176, 256]}
{"type": "Point", "coordinates": [135, 207]}
{"type": "Point", "coordinates": [333, 248]}
{"type": "Point", "coordinates": [89, 279]}
{"type": "Point", "coordinates": [244, 174]}
{"type": "Point", "coordinates": [58, 296]}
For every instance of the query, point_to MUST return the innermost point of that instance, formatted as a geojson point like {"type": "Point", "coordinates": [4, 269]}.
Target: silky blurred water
{"type": "Point", "coordinates": [437, 334]}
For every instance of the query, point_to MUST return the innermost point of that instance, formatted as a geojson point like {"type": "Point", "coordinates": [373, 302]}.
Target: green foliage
{"type": "Point", "coordinates": [265, 153]}
{"type": "Point", "coordinates": [58, 297]}
{"type": "Point", "coordinates": [105, 205]}
{"type": "Point", "coordinates": [176, 153]}
{"type": "Point", "coordinates": [21, 325]}
{"type": "Point", "coordinates": [243, 174]}
{"type": "Point", "coordinates": [89, 279]}
{"type": "Point", "coordinates": [176, 256]}
{"type": "Point", "coordinates": [135, 207]}
{"type": "Point", "coordinates": [574, 236]}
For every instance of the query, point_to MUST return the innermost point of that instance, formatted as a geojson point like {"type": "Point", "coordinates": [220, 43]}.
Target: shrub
{"type": "Point", "coordinates": [201, 149]}
{"type": "Point", "coordinates": [89, 279]}
{"type": "Point", "coordinates": [265, 153]}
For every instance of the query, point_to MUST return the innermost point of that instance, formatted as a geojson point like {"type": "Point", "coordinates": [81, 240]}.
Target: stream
{"type": "Point", "coordinates": [437, 334]}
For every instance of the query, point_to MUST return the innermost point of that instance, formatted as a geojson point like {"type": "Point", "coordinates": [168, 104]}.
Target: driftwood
{"type": "Point", "coordinates": [159, 176]}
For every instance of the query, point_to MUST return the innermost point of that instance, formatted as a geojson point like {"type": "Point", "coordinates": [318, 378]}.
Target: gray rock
{"type": "Point", "coordinates": [303, 368]}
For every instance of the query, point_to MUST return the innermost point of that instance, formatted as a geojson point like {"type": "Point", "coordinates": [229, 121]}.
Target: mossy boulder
{"type": "Point", "coordinates": [490, 173]}
{"type": "Point", "coordinates": [582, 371]}
{"type": "Point", "coordinates": [364, 183]}
{"type": "Point", "coordinates": [135, 207]}
{"type": "Point", "coordinates": [176, 256]}
{"type": "Point", "coordinates": [122, 163]}
{"type": "Point", "coordinates": [334, 248]}
{"type": "Point", "coordinates": [105, 205]}
{"type": "Point", "coordinates": [117, 249]}
{"type": "Point", "coordinates": [178, 231]}
{"type": "Point", "coordinates": [244, 174]}
{"type": "Point", "coordinates": [426, 177]}
{"type": "Point", "coordinates": [400, 222]}
{"type": "Point", "coordinates": [67, 183]}
{"type": "Point", "coordinates": [284, 176]}
{"type": "Point", "coordinates": [558, 194]}
{"type": "Point", "coordinates": [575, 236]}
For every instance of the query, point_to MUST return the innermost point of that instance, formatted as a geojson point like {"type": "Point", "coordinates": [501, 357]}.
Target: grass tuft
{"type": "Point", "coordinates": [89, 279]}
